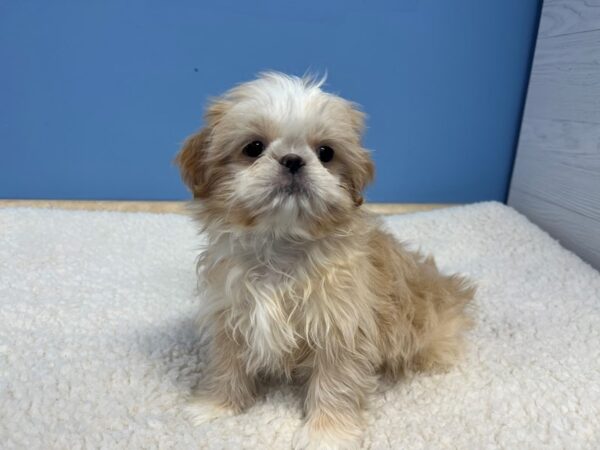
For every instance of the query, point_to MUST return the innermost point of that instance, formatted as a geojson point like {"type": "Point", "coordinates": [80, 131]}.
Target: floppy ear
{"type": "Point", "coordinates": [191, 157]}
{"type": "Point", "coordinates": [363, 175]}
{"type": "Point", "coordinates": [365, 169]}
{"type": "Point", "coordinates": [190, 160]}
{"type": "Point", "coordinates": [356, 118]}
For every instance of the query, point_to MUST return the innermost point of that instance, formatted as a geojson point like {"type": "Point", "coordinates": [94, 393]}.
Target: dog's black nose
{"type": "Point", "coordinates": [292, 161]}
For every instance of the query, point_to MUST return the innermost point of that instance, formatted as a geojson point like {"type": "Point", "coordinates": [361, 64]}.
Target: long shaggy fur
{"type": "Point", "coordinates": [303, 284]}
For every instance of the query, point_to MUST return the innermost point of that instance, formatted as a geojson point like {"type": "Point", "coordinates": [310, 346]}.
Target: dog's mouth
{"type": "Point", "coordinates": [293, 186]}
{"type": "Point", "coordinates": [296, 188]}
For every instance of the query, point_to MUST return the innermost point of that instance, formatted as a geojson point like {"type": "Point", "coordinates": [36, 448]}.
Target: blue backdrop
{"type": "Point", "coordinates": [96, 97]}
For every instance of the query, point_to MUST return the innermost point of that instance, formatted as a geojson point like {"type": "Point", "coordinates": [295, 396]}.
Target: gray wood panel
{"type": "Point", "coordinates": [556, 177]}
{"type": "Point", "coordinates": [565, 81]}
{"type": "Point", "coordinates": [561, 164]}
{"type": "Point", "coordinates": [569, 16]}
{"type": "Point", "coordinates": [573, 231]}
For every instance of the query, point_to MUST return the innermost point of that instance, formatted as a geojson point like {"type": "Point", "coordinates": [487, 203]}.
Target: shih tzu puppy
{"type": "Point", "coordinates": [300, 282]}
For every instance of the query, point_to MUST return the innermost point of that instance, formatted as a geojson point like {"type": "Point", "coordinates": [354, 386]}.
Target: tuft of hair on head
{"type": "Point", "coordinates": [314, 79]}
{"type": "Point", "coordinates": [309, 80]}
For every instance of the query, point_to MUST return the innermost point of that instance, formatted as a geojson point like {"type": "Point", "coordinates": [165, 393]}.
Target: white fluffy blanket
{"type": "Point", "coordinates": [98, 349]}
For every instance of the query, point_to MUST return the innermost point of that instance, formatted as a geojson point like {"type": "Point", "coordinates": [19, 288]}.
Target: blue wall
{"type": "Point", "coordinates": [96, 97]}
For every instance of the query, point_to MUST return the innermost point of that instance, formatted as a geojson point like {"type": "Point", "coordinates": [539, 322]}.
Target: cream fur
{"type": "Point", "coordinates": [303, 284]}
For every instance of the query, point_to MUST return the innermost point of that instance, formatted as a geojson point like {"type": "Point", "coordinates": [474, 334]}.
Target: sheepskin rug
{"type": "Point", "coordinates": [98, 347]}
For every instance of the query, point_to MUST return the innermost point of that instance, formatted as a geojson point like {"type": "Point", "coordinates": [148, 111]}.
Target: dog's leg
{"type": "Point", "coordinates": [226, 389]}
{"type": "Point", "coordinates": [336, 395]}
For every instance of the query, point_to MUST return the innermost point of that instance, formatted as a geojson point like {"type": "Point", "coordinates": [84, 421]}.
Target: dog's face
{"type": "Point", "coordinates": [278, 154]}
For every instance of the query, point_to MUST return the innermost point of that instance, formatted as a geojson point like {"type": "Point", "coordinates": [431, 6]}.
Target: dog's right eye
{"type": "Point", "coordinates": [254, 149]}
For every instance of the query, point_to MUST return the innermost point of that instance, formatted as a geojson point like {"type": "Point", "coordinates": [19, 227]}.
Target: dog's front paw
{"type": "Point", "coordinates": [202, 410]}
{"type": "Point", "coordinates": [310, 437]}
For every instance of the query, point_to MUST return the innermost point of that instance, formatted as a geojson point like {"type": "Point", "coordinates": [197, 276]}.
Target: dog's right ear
{"type": "Point", "coordinates": [190, 161]}
{"type": "Point", "coordinates": [191, 157]}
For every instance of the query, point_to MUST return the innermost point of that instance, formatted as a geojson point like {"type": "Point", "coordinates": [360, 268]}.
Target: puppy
{"type": "Point", "coordinates": [300, 282]}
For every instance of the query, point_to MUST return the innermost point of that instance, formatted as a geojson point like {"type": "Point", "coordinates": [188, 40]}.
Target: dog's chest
{"type": "Point", "coordinates": [275, 298]}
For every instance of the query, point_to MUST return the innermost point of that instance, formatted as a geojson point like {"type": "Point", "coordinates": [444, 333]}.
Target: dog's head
{"type": "Point", "coordinates": [278, 154]}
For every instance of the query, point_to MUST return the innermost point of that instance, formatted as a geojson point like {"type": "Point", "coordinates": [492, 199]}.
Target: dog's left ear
{"type": "Point", "coordinates": [362, 176]}
{"type": "Point", "coordinates": [364, 169]}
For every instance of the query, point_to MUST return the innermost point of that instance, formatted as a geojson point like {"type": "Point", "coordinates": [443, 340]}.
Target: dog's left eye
{"type": "Point", "coordinates": [325, 153]}
{"type": "Point", "coordinates": [254, 149]}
